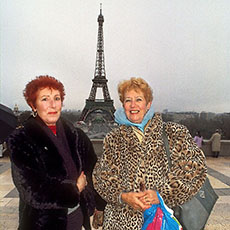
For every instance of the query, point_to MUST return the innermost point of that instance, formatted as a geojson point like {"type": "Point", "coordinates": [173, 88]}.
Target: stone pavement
{"type": "Point", "coordinates": [218, 173]}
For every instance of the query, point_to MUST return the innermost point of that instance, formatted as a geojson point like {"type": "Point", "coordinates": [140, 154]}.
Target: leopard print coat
{"type": "Point", "coordinates": [127, 162]}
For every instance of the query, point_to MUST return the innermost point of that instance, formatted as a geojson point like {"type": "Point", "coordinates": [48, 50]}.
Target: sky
{"type": "Point", "coordinates": [180, 47]}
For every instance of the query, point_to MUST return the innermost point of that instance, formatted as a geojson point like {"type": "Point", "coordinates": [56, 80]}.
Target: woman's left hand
{"type": "Point", "coordinates": [133, 199]}
{"type": "Point", "coordinates": [150, 198]}
{"type": "Point", "coordinates": [81, 182]}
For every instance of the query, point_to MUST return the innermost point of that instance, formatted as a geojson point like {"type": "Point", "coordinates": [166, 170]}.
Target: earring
{"type": "Point", "coordinates": [34, 113]}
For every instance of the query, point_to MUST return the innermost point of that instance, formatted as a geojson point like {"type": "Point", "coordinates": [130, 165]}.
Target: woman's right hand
{"type": "Point", "coordinates": [81, 182]}
{"type": "Point", "coordinates": [134, 200]}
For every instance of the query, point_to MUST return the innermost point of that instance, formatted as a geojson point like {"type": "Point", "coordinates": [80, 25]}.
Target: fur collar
{"type": "Point", "coordinates": [33, 135]}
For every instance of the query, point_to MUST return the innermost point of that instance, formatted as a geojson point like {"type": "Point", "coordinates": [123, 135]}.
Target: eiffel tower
{"type": "Point", "coordinates": [104, 106]}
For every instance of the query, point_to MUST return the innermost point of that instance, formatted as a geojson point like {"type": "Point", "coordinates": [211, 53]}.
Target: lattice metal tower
{"type": "Point", "coordinates": [99, 81]}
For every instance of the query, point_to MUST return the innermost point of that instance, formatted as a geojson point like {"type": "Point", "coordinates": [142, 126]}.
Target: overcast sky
{"type": "Point", "coordinates": [180, 47]}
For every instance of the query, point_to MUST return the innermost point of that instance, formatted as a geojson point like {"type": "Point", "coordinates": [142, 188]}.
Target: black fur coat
{"type": "Point", "coordinates": [39, 174]}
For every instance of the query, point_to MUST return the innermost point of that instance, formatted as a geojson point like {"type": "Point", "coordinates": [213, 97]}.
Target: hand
{"type": "Point", "coordinates": [98, 218]}
{"type": "Point", "coordinates": [150, 198]}
{"type": "Point", "coordinates": [81, 182]}
{"type": "Point", "coordinates": [134, 200]}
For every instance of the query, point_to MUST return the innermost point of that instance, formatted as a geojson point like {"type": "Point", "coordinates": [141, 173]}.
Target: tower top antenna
{"type": "Point", "coordinates": [100, 8]}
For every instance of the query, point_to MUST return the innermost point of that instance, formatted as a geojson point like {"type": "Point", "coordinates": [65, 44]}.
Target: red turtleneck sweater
{"type": "Point", "coordinates": [53, 129]}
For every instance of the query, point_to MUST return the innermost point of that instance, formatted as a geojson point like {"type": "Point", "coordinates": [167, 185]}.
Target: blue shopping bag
{"type": "Point", "coordinates": [160, 217]}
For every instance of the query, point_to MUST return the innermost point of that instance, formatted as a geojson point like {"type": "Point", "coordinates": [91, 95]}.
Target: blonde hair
{"type": "Point", "coordinates": [137, 84]}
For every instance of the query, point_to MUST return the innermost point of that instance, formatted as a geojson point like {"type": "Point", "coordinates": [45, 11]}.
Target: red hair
{"type": "Point", "coordinates": [41, 82]}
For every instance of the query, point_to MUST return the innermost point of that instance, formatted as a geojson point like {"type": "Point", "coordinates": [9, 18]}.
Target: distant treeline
{"type": "Point", "coordinates": [195, 123]}
{"type": "Point", "coordinates": [206, 126]}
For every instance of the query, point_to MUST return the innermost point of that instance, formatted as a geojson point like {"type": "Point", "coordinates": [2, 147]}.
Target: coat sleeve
{"type": "Point", "coordinates": [211, 139]}
{"type": "Point", "coordinates": [87, 153]}
{"type": "Point", "coordinates": [89, 159]}
{"type": "Point", "coordinates": [35, 187]}
{"type": "Point", "coordinates": [188, 171]}
{"type": "Point", "coordinates": [106, 174]}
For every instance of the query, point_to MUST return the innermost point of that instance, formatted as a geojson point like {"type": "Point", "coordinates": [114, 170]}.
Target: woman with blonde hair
{"type": "Point", "coordinates": [134, 165]}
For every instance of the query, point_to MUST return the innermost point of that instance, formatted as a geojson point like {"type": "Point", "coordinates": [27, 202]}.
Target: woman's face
{"type": "Point", "coordinates": [135, 106]}
{"type": "Point", "coordinates": [48, 105]}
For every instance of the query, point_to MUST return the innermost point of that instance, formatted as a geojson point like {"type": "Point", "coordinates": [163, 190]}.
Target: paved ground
{"type": "Point", "coordinates": [218, 173]}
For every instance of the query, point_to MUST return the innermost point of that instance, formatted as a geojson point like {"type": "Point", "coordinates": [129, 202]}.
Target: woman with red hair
{"type": "Point", "coordinates": [51, 163]}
